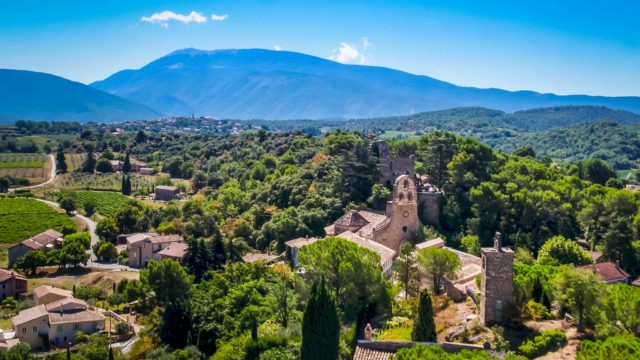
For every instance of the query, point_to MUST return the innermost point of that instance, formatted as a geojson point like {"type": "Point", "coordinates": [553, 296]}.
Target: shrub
{"type": "Point", "coordinates": [536, 311]}
{"type": "Point", "coordinates": [541, 344]}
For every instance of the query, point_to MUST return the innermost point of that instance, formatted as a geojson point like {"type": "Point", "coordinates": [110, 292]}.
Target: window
{"type": "Point", "coordinates": [59, 328]}
{"type": "Point", "coordinates": [35, 329]}
{"type": "Point", "coordinates": [406, 184]}
{"type": "Point", "coordinates": [76, 326]}
{"type": "Point", "coordinates": [401, 196]}
{"type": "Point", "coordinates": [24, 330]}
{"type": "Point", "coordinates": [410, 196]}
{"type": "Point", "coordinates": [404, 228]}
{"type": "Point", "coordinates": [4, 286]}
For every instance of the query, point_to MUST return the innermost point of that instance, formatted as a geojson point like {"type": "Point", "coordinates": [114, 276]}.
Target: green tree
{"type": "Point", "coordinates": [424, 327]}
{"type": "Point", "coordinates": [103, 166]}
{"type": "Point", "coordinates": [617, 305]}
{"type": "Point", "coordinates": [559, 251]}
{"type": "Point", "coordinates": [438, 263]}
{"type": "Point", "coordinates": [61, 163]}
{"type": "Point", "coordinates": [126, 165]}
{"type": "Point", "coordinates": [126, 185]}
{"type": "Point", "coordinates": [198, 181]}
{"type": "Point", "coordinates": [89, 164]}
{"type": "Point", "coordinates": [471, 244]}
{"type": "Point", "coordinates": [68, 204]}
{"type": "Point", "coordinates": [406, 271]}
{"type": "Point", "coordinates": [107, 229]}
{"type": "Point", "coordinates": [379, 196]}
{"type": "Point", "coordinates": [611, 348]}
{"type": "Point", "coordinates": [524, 151]}
{"type": "Point", "coordinates": [581, 291]}
{"type": "Point", "coordinates": [597, 171]}
{"type": "Point", "coordinates": [320, 326]}
{"type": "Point", "coordinates": [30, 262]}
{"type": "Point", "coordinates": [107, 251]}
{"type": "Point", "coordinates": [90, 206]}
{"type": "Point", "coordinates": [169, 281]}
{"type": "Point", "coordinates": [141, 137]}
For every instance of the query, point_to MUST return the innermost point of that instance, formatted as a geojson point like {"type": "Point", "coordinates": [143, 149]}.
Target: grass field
{"type": "Point", "coordinates": [107, 202]}
{"type": "Point", "coordinates": [73, 161]}
{"type": "Point", "coordinates": [22, 218]}
{"type": "Point", "coordinates": [35, 167]}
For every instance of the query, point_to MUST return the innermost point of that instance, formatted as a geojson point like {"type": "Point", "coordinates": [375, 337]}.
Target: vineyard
{"type": "Point", "coordinates": [73, 161]}
{"type": "Point", "coordinates": [35, 167]}
{"type": "Point", "coordinates": [106, 202]}
{"type": "Point", "coordinates": [22, 218]}
{"type": "Point", "coordinates": [104, 182]}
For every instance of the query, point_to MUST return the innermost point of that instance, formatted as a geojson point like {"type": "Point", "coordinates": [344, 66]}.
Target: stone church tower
{"type": "Point", "coordinates": [497, 282]}
{"type": "Point", "coordinates": [402, 221]}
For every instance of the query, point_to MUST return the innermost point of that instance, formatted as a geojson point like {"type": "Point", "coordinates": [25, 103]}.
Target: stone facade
{"type": "Point", "coordinates": [402, 222]}
{"type": "Point", "coordinates": [497, 283]}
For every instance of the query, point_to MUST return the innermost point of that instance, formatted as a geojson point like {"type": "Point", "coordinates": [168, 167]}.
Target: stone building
{"type": "Point", "coordinates": [12, 284]}
{"type": "Point", "coordinates": [47, 240]}
{"type": "Point", "coordinates": [144, 248]}
{"type": "Point", "coordinates": [497, 282]}
{"type": "Point", "coordinates": [165, 193]}
{"type": "Point", "coordinates": [391, 167]}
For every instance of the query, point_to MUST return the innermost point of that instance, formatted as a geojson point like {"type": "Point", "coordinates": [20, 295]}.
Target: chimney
{"type": "Point", "coordinates": [497, 241]}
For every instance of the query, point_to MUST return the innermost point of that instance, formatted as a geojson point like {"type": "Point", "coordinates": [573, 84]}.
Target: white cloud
{"type": "Point", "coordinates": [163, 18]}
{"type": "Point", "coordinates": [350, 53]}
{"type": "Point", "coordinates": [277, 48]}
{"type": "Point", "coordinates": [216, 17]}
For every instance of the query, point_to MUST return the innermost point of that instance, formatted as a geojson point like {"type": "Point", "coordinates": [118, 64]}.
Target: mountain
{"type": "Point", "coordinates": [39, 96]}
{"type": "Point", "coordinates": [265, 84]}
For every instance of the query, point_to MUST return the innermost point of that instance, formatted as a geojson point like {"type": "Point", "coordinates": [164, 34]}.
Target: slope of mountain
{"type": "Point", "coordinates": [265, 84]}
{"type": "Point", "coordinates": [39, 96]}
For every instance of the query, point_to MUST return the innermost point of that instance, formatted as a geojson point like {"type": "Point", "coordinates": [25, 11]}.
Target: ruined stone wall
{"type": "Point", "coordinates": [497, 283]}
{"type": "Point", "coordinates": [430, 207]}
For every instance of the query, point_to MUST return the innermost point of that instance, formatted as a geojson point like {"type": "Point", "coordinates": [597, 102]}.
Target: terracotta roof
{"type": "Point", "coordinates": [608, 271]}
{"type": "Point", "coordinates": [134, 238]}
{"type": "Point", "coordinates": [42, 239]}
{"type": "Point", "coordinates": [175, 250]}
{"type": "Point", "coordinates": [43, 290]}
{"type": "Point", "coordinates": [6, 275]}
{"type": "Point", "coordinates": [29, 314]}
{"type": "Point", "coordinates": [352, 219]}
{"type": "Point", "coordinates": [636, 282]}
{"type": "Point", "coordinates": [259, 257]}
{"type": "Point", "coordinates": [162, 239]}
{"type": "Point", "coordinates": [75, 317]}
{"type": "Point", "coordinates": [330, 230]}
{"type": "Point", "coordinates": [595, 255]}
{"type": "Point", "coordinates": [374, 220]}
{"type": "Point", "coordinates": [66, 304]}
{"type": "Point", "coordinates": [300, 242]}
{"type": "Point", "coordinates": [385, 253]}
{"type": "Point", "coordinates": [371, 354]}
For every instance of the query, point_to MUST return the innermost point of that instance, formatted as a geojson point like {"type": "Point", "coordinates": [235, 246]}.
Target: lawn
{"type": "Point", "coordinates": [22, 218]}
{"type": "Point", "coordinates": [107, 202]}
{"type": "Point", "coordinates": [35, 167]}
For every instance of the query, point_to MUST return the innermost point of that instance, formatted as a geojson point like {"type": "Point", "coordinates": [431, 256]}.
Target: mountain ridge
{"type": "Point", "coordinates": [267, 84]}
{"type": "Point", "coordinates": [35, 95]}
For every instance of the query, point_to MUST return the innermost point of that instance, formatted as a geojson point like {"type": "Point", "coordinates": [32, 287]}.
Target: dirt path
{"type": "Point", "coordinates": [52, 176]}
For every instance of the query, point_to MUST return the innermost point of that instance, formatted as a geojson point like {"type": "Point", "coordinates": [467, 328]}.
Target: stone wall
{"type": "Point", "coordinates": [497, 283]}
{"type": "Point", "coordinates": [429, 207]}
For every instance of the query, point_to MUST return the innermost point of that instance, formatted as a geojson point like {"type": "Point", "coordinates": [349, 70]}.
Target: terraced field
{"type": "Point", "coordinates": [107, 202]}
{"type": "Point", "coordinates": [35, 167]}
{"type": "Point", "coordinates": [22, 218]}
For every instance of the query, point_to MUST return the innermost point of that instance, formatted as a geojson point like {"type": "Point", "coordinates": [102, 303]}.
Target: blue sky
{"type": "Point", "coordinates": [589, 47]}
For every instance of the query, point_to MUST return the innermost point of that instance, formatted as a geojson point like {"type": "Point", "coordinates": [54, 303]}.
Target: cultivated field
{"type": "Point", "coordinates": [103, 182]}
{"type": "Point", "coordinates": [23, 218]}
{"type": "Point", "coordinates": [107, 202]}
{"type": "Point", "coordinates": [35, 167]}
{"type": "Point", "coordinates": [73, 161]}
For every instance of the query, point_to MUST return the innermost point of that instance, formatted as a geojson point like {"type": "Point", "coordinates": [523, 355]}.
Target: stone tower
{"type": "Point", "coordinates": [497, 282]}
{"type": "Point", "coordinates": [402, 221]}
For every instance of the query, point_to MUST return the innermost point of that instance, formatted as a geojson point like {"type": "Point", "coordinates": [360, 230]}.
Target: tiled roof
{"type": "Point", "coordinates": [259, 257]}
{"type": "Point", "coordinates": [165, 187]}
{"type": "Point", "coordinates": [330, 230]}
{"type": "Point", "coordinates": [608, 271]}
{"type": "Point", "coordinates": [175, 250]}
{"type": "Point", "coordinates": [374, 219]}
{"type": "Point", "coordinates": [371, 354]}
{"type": "Point", "coordinates": [29, 314]}
{"type": "Point", "coordinates": [437, 242]}
{"type": "Point", "coordinates": [300, 242]}
{"type": "Point", "coordinates": [385, 253]}
{"type": "Point", "coordinates": [352, 219]}
{"type": "Point", "coordinates": [42, 239]}
{"type": "Point", "coordinates": [43, 290]}
{"type": "Point", "coordinates": [75, 317]}
{"type": "Point", "coordinates": [134, 238]}
{"type": "Point", "coordinates": [162, 239]}
{"type": "Point", "coordinates": [6, 275]}
{"type": "Point", "coordinates": [66, 303]}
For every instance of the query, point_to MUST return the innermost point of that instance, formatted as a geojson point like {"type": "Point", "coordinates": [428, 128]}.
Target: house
{"type": "Point", "coordinates": [143, 249]}
{"type": "Point", "coordinates": [175, 251]}
{"type": "Point", "coordinates": [56, 323]}
{"type": "Point", "coordinates": [611, 273]}
{"type": "Point", "coordinates": [118, 165]}
{"type": "Point", "coordinates": [386, 350]}
{"type": "Point", "coordinates": [45, 294]}
{"type": "Point", "coordinates": [45, 240]}
{"type": "Point", "coordinates": [166, 193]}
{"type": "Point", "coordinates": [147, 171]}
{"type": "Point", "coordinates": [293, 248]}
{"type": "Point", "coordinates": [126, 239]}
{"type": "Point", "coordinates": [11, 284]}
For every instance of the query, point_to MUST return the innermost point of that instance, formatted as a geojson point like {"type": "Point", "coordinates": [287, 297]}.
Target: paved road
{"type": "Point", "coordinates": [52, 176]}
{"type": "Point", "coordinates": [93, 259]}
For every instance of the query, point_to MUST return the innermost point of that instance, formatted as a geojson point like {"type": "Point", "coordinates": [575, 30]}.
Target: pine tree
{"type": "Point", "coordinates": [218, 252]}
{"type": "Point", "coordinates": [126, 166]}
{"type": "Point", "coordinates": [320, 326]}
{"type": "Point", "coordinates": [61, 163]}
{"type": "Point", "coordinates": [424, 327]}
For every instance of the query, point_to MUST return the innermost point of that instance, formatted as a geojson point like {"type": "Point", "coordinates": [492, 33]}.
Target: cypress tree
{"type": "Point", "coordinates": [424, 327]}
{"type": "Point", "coordinates": [126, 185]}
{"type": "Point", "coordinates": [218, 252]}
{"type": "Point", "coordinates": [320, 326]}
{"type": "Point", "coordinates": [126, 166]}
{"type": "Point", "coordinates": [61, 163]}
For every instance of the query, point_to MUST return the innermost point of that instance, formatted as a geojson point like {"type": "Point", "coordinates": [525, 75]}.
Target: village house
{"type": "Point", "coordinates": [118, 165]}
{"type": "Point", "coordinates": [165, 193]}
{"type": "Point", "coordinates": [175, 251]}
{"type": "Point", "coordinates": [611, 273]}
{"type": "Point", "coordinates": [12, 284]}
{"type": "Point", "coordinates": [45, 294]}
{"type": "Point", "coordinates": [46, 240]}
{"type": "Point", "coordinates": [144, 248]}
{"type": "Point", "coordinates": [56, 323]}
